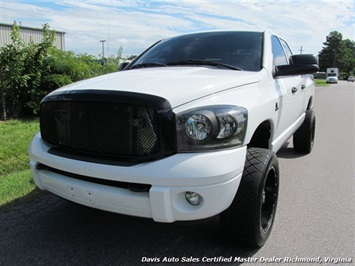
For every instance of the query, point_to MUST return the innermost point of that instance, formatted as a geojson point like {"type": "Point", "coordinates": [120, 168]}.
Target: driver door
{"type": "Point", "coordinates": [289, 88]}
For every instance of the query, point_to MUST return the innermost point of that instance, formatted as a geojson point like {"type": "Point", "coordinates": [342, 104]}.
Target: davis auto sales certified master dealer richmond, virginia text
{"type": "Point", "coordinates": [232, 259]}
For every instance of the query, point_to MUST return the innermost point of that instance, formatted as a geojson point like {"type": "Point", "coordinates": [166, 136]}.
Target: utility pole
{"type": "Point", "coordinates": [103, 50]}
{"type": "Point", "coordinates": [301, 50]}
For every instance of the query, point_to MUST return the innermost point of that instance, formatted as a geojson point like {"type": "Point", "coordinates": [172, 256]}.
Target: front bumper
{"type": "Point", "coordinates": [214, 175]}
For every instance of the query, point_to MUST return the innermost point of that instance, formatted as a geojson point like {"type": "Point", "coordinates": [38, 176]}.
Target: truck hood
{"type": "Point", "coordinates": [179, 85]}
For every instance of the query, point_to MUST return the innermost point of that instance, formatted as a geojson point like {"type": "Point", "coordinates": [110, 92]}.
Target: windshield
{"type": "Point", "coordinates": [241, 50]}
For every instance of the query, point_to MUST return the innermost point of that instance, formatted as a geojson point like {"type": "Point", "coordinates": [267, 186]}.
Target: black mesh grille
{"type": "Point", "coordinates": [125, 130]}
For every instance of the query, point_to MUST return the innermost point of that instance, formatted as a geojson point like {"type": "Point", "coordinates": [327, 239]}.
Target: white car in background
{"type": "Point", "coordinates": [333, 80]}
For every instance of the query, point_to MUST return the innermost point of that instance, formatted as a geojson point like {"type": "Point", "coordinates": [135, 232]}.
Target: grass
{"type": "Point", "coordinates": [321, 82]}
{"type": "Point", "coordinates": [15, 176]}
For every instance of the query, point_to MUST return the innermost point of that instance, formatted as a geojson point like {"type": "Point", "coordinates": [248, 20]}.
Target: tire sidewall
{"type": "Point", "coordinates": [262, 235]}
{"type": "Point", "coordinates": [304, 137]}
{"type": "Point", "coordinates": [241, 222]}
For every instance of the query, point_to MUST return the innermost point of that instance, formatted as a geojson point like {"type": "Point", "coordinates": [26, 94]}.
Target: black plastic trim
{"type": "Point", "coordinates": [91, 158]}
{"type": "Point", "coordinates": [158, 103]}
{"type": "Point", "coordinates": [168, 143]}
{"type": "Point", "coordinates": [134, 187]}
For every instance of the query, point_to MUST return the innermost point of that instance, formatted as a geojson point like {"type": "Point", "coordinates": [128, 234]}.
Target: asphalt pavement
{"type": "Point", "coordinates": [314, 221]}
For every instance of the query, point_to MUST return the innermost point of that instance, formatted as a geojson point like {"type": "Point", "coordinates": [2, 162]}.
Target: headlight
{"type": "Point", "coordinates": [211, 127]}
{"type": "Point", "coordinates": [198, 127]}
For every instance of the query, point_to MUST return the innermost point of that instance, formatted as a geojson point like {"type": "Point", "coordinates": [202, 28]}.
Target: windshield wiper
{"type": "Point", "coordinates": [203, 62]}
{"type": "Point", "coordinates": [150, 64]}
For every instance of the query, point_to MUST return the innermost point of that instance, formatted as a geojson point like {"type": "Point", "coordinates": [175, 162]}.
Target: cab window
{"type": "Point", "coordinates": [278, 52]}
{"type": "Point", "coordinates": [286, 49]}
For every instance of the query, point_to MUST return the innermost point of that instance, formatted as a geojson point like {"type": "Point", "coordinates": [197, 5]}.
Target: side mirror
{"type": "Point", "coordinates": [123, 65]}
{"type": "Point", "coordinates": [301, 64]}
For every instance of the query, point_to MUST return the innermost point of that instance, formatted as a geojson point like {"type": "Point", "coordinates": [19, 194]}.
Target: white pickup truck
{"type": "Point", "coordinates": [186, 131]}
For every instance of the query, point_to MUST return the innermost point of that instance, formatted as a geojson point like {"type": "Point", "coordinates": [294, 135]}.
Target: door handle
{"type": "Point", "coordinates": [303, 87]}
{"type": "Point", "coordinates": [294, 90]}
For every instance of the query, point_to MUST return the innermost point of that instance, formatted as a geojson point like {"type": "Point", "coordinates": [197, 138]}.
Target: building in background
{"type": "Point", "coordinates": [28, 33]}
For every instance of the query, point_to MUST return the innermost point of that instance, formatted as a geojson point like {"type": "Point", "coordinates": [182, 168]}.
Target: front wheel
{"type": "Point", "coordinates": [250, 217]}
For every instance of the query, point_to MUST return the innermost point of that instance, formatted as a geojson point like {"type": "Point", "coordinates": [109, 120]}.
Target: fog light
{"type": "Point", "coordinates": [193, 198]}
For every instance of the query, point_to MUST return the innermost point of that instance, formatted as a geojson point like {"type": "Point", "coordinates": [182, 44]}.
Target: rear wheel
{"type": "Point", "coordinates": [250, 217]}
{"type": "Point", "coordinates": [303, 139]}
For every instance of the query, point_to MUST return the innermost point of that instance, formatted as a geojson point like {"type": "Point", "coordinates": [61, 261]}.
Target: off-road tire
{"type": "Point", "coordinates": [303, 138]}
{"type": "Point", "coordinates": [250, 217]}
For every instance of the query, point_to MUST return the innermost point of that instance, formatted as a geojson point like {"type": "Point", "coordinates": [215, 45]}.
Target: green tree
{"type": "Point", "coordinates": [21, 67]}
{"type": "Point", "coordinates": [347, 59]}
{"type": "Point", "coordinates": [30, 71]}
{"type": "Point", "coordinates": [11, 69]}
{"type": "Point", "coordinates": [66, 67]}
{"type": "Point", "coordinates": [35, 65]}
{"type": "Point", "coordinates": [329, 55]}
{"type": "Point", "coordinates": [338, 53]}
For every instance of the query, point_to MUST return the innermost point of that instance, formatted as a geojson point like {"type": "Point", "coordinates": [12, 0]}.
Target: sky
{"type": "Point", "coordinates": [136, 24]}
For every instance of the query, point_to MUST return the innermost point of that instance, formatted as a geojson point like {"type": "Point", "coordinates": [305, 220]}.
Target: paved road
{"type": "Point", "coordinates": [315, 217]}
